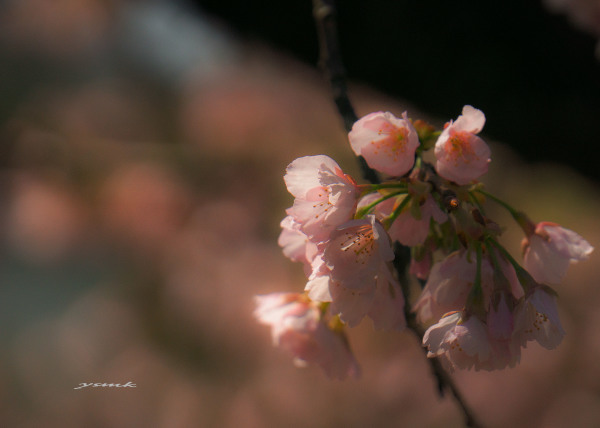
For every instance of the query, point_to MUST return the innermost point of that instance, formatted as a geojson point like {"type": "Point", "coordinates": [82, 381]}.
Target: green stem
{"type": "Point", "coordinates": [477, 283]}
{"type": "Point", "coordinates": [365, 210]}
{"type": "Point", "coordinates": [418, 162]}
{"type": "Point", "coordinates": [476, 202]}
{"type": "Point", "coordinates": [524, 277]}
{"type": "Point", "coordinates": [493, 256]}
{"type": "Point", "coordinates": [368, 188]}
{"type": "Point", "coordinates": [521, 218]}
{"type": "Point", "coordinates": [388, 221]}
{"type": "Point", "coordinates": [504, 252]}
{"type": "Point", "coordinates": [513, 212]}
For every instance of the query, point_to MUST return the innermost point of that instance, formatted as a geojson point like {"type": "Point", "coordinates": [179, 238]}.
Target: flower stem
{"type": "Point", "coordinates": [476, 202]}
{"type": "Point", "coordinates": [513, 212]}
{"type": "Point", "coordinates": [366, 209]}
{"type": "Point", "coordinates": [393, 216]}
{"type": "Point", "coordinates": [474, 299]}
{"type": "Point", "coordinates": [504, 252]}
{"type": "Point", "coordinates": [524, 277]}
{"type": "Point", "coordinates": [418, 162]}
{"type": "Point", "coordinates": [520, 217]}
{"type": "Point", "coordinates": [368, 188]}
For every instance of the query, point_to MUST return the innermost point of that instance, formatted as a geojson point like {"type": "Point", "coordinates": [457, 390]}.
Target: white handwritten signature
{"type": "Point", "coordinates": [106, 385]}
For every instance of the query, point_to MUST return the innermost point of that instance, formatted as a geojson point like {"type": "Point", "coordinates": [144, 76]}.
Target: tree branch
{"type": "Point", "coordinates": [333, 67]}
{"type": "Point", "coordinates": [331, 62]}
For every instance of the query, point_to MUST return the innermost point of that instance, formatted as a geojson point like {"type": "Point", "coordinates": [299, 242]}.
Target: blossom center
{"type": "Point", "coordinates": [361, 243]}
{"type": "Point", "coordinates": [458, 146]}
{"type": "Point", "coordinates": [393, 145]}
{"type": "Point", "coordinates": [539, 319]}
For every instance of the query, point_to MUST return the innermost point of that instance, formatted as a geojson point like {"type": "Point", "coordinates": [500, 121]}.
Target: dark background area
{"type": "Point", "coordinates": [532, 72]}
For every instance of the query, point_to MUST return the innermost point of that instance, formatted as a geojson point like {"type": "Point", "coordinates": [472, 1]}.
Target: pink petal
{"type": "Point", "coordinates": [387, 308]}
{"type": "Point", "coordinates": [387, 143]}
{"type": "Point", "coordinates": [302, 174]}
{"type": "Point", "coordinates": [472, 120]}
{"type": "Point", "coordinates": [461, 155]}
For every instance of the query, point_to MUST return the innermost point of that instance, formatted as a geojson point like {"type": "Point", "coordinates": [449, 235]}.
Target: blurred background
{"type": "Point", "coordinates": [143, 145]}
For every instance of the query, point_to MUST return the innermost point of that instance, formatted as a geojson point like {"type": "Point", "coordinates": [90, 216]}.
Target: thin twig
{"type": "Point", "coordinates": [332, 65]}
{"type": "Point", "coordinates": [331, 62]}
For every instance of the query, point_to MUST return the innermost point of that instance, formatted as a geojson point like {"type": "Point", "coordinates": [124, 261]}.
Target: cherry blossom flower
{"type": "Point", "coordinates": [411, 231]}
{"type": "Point", "coordinates": [356, 251]}
{"type": "Point", "coordinates": [505, 351]}
{"type": "Point", "coordinates": [466, 342]}
{"type": "Point", "coordinates": [461, 155]}
{"type": "Point", "coordinates": [462, 341]}
{"type": "Point", "coordinates": [387, 307]}
{"type": "Point", "coordinates": [297, 327]}
{"type": "Point", "coordinates": [317, 286]}
{"type": "Point", "coordinates": [351, 304]}
{"type": "Point", "coordinates": [449, 283]}
{"type": "Point", "coordinates": [536, 318]}
{"type": "Point", "coordinates": [387, 143]}
{"type": "Point", "coordinates": [500, 319]}
{"type": "Point", "coordinates": [487, 306]}
{"type": "Point", "coordinates": [378, 297]}
{"type": "Point", "coordinates": [325, 196]}
{"type": "Point", "coordinates": [549, 251]}
{"type": "Point", "coordinates": [295, 244]}
{"type": "Point", "coordinates": [383, 302]}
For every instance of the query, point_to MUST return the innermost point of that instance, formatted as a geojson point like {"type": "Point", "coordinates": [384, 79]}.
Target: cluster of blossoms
{"type": "Point", "coordinates": [481, 304]}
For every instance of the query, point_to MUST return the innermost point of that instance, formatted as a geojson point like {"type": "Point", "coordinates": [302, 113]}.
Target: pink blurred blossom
{"type": "Point", "coordinates": [536, 318]}
{"type": "Point", "coordinates": [387, 307]}
{"type": "Point", "coordinates": [463, 342]}
{"type": "Point", "coordinates": [549, 251]}
{"type": "Point", "coordinates": [296, 326]}
{"type": "Point", "coordinates": [46, 220]}
{"type": "Point", "coordinates": [145, 204]}
{"type": "Point", "coordinates": [448, 285]}
{"type": "Point", "coordinates": [62, 28]}
{"type": "Point", "coordinates": [500, 326]}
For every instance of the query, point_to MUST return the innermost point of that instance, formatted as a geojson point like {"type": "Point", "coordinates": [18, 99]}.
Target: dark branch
{"type": "Point", "coordinates": [331, 62]}
{"type": "Point", "coordinates": [333, 67]}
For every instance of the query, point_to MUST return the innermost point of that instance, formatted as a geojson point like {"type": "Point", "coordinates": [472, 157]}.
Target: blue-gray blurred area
{"type": "Point", "coordinates": [142, 148]}
{"type": "Point", "coordinates": [72, 65]}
